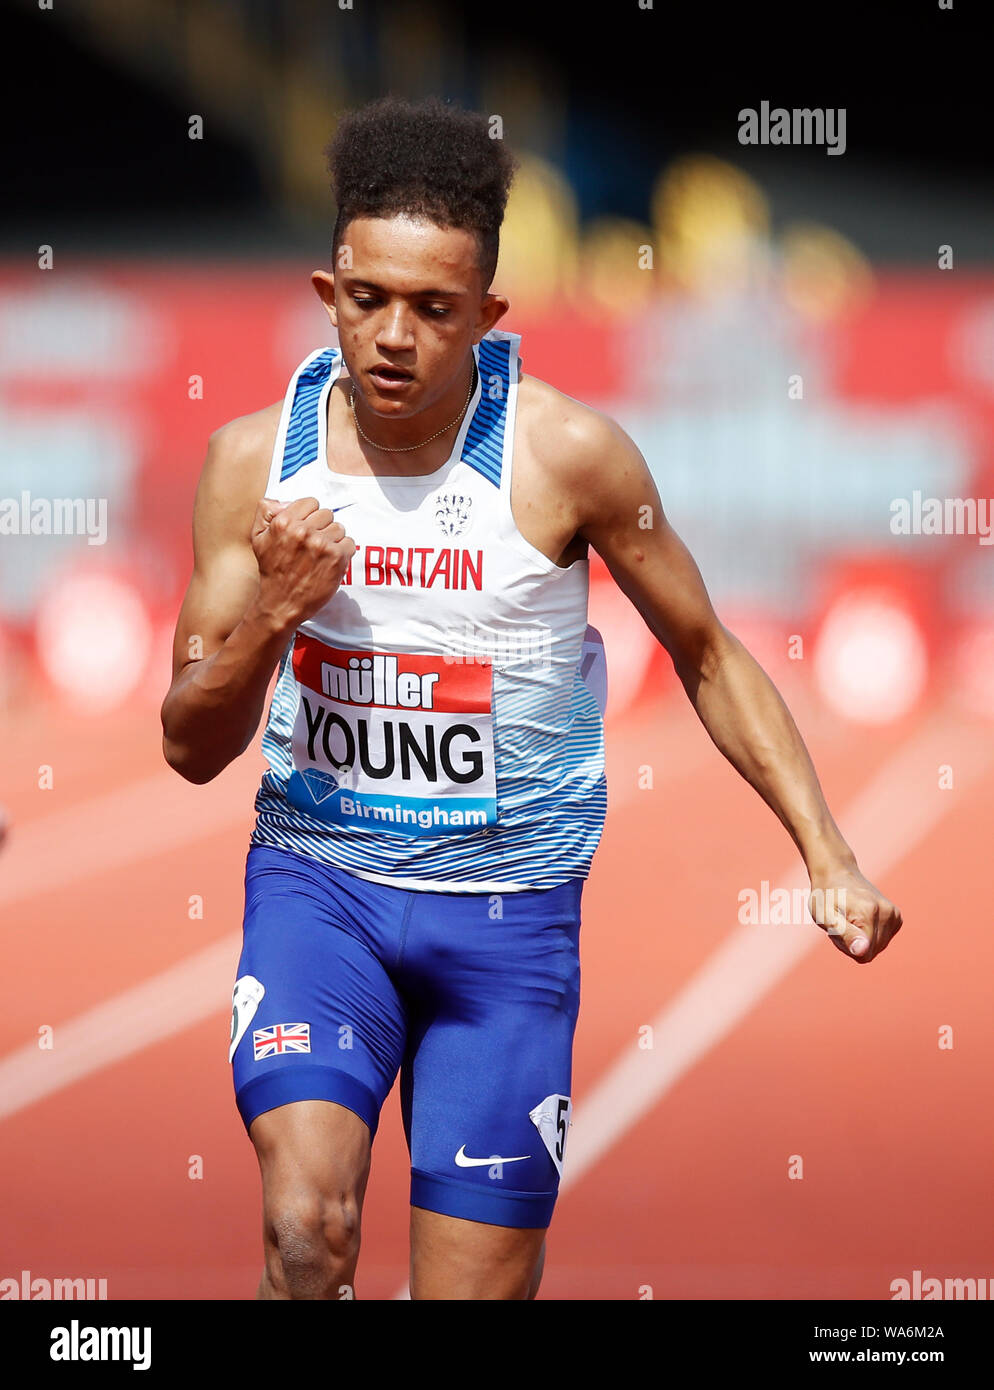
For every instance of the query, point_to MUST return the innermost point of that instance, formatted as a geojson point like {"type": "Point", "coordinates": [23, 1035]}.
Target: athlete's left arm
{"type": "Point", "coordinates": [620, 514]}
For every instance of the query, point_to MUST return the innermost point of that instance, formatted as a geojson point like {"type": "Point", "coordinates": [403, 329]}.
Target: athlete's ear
{"type": "Point", "coordinates": [492, 308]}
{"type": "Point", "coordinates": [324, 284]}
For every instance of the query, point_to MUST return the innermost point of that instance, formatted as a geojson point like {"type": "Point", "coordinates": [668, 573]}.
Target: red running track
{"type": "Point", "coordinates": [838, 1063]}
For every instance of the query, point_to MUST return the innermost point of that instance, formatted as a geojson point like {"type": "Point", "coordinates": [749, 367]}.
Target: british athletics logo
{"type": "Point", "coordinates": [282, 1037]}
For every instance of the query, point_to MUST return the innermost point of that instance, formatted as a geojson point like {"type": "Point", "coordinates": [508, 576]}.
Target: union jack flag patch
{"type": "Point", "coordinates": [282, 1037]}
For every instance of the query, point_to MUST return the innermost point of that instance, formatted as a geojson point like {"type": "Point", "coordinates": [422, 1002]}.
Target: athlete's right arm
{"type": "Point", "coordinates": [261, 567]}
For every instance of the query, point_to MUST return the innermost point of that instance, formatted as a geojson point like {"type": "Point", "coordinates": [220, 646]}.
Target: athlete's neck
{"type": "Point", "coordinates": [384, 428]}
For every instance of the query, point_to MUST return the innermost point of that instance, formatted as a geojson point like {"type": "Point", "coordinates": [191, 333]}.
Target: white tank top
{"type": "Point", "coordinates": [437, 725]}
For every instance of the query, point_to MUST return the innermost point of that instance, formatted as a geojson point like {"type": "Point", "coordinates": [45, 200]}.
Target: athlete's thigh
{"type": "Point", "coordinates": [486, 1085]}
{"type": "Point", "coordinates": [315, 1014]}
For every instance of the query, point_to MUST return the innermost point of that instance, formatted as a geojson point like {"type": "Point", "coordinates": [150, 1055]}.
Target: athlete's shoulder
{"type": "Point", "coordinates": [247, 437]}
{"type": "Point", "coordinates": [235, 473]}
{"type": "Point", "coordinates": [568, 436]}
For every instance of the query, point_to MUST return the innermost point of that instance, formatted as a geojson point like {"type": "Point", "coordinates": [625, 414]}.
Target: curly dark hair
{"type": "Point", "coordinates": [427, 159]}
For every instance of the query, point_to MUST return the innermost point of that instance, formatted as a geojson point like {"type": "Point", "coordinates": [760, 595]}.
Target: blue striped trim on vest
{"type": "Point", "coordinates": [301, 445]}
{"type": "Point", "coordinates": [483, 447]}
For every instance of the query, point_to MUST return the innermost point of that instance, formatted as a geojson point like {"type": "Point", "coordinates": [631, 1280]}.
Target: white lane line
{"type": "Point", "coordinates": [163, 812]}
{"type": "Point", "coordinates": [889, 817]}
{"type": "Point", "coordinates": [175, 999]}
{"type": "Point", "coordinates": [140, 820]}
{"type": "Point", "coordinates": [143, 819]}
{"type": "Point", "coordinates": [105, 833]}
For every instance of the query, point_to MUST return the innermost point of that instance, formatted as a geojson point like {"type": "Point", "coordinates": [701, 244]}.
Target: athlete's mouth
{"type": "Point", "coordinates": [383, 371]}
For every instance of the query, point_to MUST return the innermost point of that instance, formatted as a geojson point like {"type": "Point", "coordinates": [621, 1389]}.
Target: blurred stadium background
{"type": "Point", "coordinates": [773, 328]}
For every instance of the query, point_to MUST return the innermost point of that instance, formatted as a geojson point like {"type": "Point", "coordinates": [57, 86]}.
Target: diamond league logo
{"type": "Point", "coordinates": [452, 512]}
{"type": "Point", "coordinates": [320, 783]}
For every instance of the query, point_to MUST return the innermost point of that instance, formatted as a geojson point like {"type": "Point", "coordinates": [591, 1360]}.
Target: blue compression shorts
{"type": "Point", "coordinates": [473, 997]}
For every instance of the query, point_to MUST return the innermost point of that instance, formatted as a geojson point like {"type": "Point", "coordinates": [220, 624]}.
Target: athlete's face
{"type": "Point", "coordinates": [407, 300]}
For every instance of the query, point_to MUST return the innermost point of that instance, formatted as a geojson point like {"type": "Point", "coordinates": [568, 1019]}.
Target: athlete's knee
{"type": "Point", "coordinates": [313, 1243]}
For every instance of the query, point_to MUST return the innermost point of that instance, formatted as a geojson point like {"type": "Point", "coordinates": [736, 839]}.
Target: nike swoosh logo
{"type": "Point", "coordinates": [463, 1162]}
{"type": "Point", "coordinates": [343, 506]}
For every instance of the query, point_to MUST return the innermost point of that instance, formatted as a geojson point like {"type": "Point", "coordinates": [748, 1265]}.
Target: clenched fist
{"type": "Point", "coordinates": [302, 552]}
{"type": "Point", "coordinates": [855, 914]}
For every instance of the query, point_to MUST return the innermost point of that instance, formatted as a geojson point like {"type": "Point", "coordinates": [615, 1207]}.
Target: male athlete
{"type": "Point", "coordinates": [436, 789]}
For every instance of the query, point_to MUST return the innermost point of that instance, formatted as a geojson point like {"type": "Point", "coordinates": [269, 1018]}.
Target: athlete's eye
{"type": "Point", "coordinates": [437, 312]}
{"type": "Point", "coordinates": [366, 303]}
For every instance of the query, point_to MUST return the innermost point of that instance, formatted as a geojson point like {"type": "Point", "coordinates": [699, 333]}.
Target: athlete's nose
{"type": "Point", "coordinates": [394, 331]}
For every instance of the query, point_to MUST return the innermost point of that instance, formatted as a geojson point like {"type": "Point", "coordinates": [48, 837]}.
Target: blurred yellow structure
{"type": "Point", "coordinates": [711, 224]}
{"type": "Point", "coordinates": [822, 273]}
{"type": "Point", "coordinates": [540, 239]}
{"type": "Point", "coordinates": [617, 266]}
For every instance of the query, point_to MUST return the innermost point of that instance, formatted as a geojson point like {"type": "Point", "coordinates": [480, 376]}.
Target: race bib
{"type": "Point", "coordinates": [401, 742]}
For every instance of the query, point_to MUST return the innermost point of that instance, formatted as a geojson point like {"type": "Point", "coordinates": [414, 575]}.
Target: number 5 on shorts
{"type": "Point", "coordinates": [552, 1120]}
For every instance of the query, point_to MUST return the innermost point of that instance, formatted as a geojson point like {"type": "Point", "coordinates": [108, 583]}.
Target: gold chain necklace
{"type": "Point", "coordinates": [406, 448]}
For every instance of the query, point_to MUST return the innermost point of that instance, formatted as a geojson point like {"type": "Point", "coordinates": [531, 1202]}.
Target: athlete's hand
{"type": "Point", "coordinates": [302, 553]}
{"type": "Point", "coordinates": [854, 913]}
